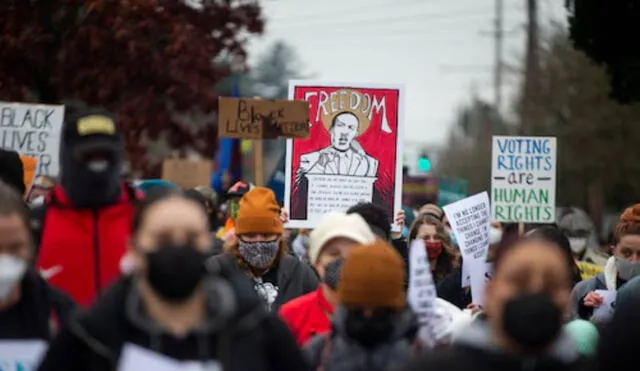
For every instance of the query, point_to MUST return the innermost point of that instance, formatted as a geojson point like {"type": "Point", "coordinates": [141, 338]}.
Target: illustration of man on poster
{"type": "Point", "coordinates": [344, 155]}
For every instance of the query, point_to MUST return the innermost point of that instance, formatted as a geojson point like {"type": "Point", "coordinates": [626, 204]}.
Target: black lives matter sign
{"type": "Point", "coordinates": [33, 130]}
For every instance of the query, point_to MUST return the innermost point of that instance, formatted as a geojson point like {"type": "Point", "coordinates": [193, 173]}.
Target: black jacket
{"type": "Point", "coordinates": [39, 314]}
{"type": "Point", "coordinates": [476, 350]}
{"type": "Point", "coordinates": [295, 278]}
{"type": "Point", "coordinates": [450, 289]}
{"type": "Point", "coordinates": [247, 339]}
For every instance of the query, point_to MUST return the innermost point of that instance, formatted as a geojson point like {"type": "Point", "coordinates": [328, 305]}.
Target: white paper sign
{"type": "Point", "coordinates": [21, 355]}
{"type": "Point", "coordinates": [469, 219]}
{"type": "Point", "coordinates": [523, 179]}
{"type": "Point", "coordinates": [604, 312]}
{"type": "Point", "coordinates": [422, 291]}
{"type": "Point", "coordinates": [136, 358]}
{"type": "Point", "coordinates": [33, 130]}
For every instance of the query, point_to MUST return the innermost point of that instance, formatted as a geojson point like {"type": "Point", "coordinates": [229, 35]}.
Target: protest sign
{"type": "Point", "coordinates": [470, 219]}
{"type": "Point", "coordinates": [33, 130]}
{"type": "Point", "coordinates": [29, 166]}
{"type": "Point", "coordinates": [245, 118]}
{"type": "Point", "coordinates": [187, 173]}
{"type": "Point", "coordinates": [353, 152]}
{"type": "Point", "coordinates": [604, 311]}
{"type": "Point", "coordinates": [22, 355]}
{"type": "Point", "coordinates": [135, 358]}
{"type": "Point", "coordinates": [421, 294]}
{"type": "Point", "coordinates": [523, 179]}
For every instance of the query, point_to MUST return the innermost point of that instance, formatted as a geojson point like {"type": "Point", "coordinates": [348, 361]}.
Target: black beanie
{"type": "Point", "coordinates": [12, 170]}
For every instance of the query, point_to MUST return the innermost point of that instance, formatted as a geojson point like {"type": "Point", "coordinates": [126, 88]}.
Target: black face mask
{"type": "Point", "coordinates": [87, 188]}
{"type": "Point", "coordinates": [369, 331]}
{"type": "Point", "coordinates": [532, 320]}
{"type": "Point", "coordinates": [174, 271]}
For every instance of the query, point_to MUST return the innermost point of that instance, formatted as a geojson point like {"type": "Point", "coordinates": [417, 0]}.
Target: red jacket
{"type": "Point", "coordinates": [307, 316]}
{"type": "Point", "coordinates": [80, 249]}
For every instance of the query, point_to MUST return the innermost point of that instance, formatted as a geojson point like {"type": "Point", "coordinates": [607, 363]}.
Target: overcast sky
{"type": "Point", "coordinates": [440, 50]}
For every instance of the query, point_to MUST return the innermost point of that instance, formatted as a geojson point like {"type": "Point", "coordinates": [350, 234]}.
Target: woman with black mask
{"type": "Point", "coordinates": [171, 309]}
{"type": "Point", "coordinates": [372, 329]}
{"type": "Point", "coordinates": [526, 304]}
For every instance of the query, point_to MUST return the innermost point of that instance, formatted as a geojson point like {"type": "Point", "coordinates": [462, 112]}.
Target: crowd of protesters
{"type": "Point", "coordinates": [98, 268]}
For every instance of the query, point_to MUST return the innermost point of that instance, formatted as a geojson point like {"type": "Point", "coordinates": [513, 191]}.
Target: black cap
{"type": "Point", "coordinates": [91, 130]}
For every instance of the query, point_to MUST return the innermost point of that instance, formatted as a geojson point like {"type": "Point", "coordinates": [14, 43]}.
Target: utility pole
{"type": "Point", "coordinates": [532, 65]}
{"type": "Point", "coordinates": [499, 37]}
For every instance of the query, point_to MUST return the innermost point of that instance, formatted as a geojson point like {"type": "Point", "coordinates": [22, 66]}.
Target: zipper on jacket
{"type": "Point", "coordinates": [96, 251]}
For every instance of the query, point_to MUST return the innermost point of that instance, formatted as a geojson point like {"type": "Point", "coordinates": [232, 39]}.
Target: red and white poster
{"type": "Point", "coordinates": [353, 153]}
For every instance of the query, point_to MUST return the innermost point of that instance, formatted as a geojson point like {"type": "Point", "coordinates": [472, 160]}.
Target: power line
{"type": "Point", "coordinates": [380, 20]}
{"type": "Point", "coordinates": [409, 26]}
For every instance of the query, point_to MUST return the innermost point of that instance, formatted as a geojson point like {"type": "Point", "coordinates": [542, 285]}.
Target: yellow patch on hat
{"type": "Point", "coordinates": [96, 124]}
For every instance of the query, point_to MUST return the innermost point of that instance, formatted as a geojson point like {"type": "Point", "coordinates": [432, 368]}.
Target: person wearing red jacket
{"type": "Point", "coordinates": [337, 234]}
{"type": "Point", "coordinates": [83, 226]}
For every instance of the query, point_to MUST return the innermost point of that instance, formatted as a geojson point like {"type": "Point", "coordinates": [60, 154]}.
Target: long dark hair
{"type": "Point", "coordinates": [444, 263]}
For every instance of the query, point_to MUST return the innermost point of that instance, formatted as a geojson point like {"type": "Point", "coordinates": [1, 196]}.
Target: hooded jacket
{"type": "Point", "coordinates": [337, 352]}
{"type": "Point", "coordinates": [477, 350]}
{"type": "Point", "coordinates": [238, 335]}
{"type": "Point", "coordinates": [294, 277]}
{"type": "Point", "coordinates": [39, 314]}
{"type": "Point", "coordinates": [80, 249]}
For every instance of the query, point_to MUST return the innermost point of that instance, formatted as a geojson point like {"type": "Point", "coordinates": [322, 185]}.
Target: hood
{"type": "Point", "coordinates": [405, 324]}
{"type": "Point", "coordinates": [478, 335]}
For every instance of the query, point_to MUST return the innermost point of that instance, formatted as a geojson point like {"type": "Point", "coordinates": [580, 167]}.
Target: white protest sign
{"type": "Point", "coordinates": [21, 355]}
{"type": "Point", "coordinates": [136, 358]}
{"type": "Point", "coordinates": [422, 291]}
{"type": "Point", "coordinates": [33, 130]}
{"type": "Point", "coordinates": [604, 311]}
{"type": "Point", "coordinates": [523, 179]}
{"type": "Point", "coordinates": [469, 219]}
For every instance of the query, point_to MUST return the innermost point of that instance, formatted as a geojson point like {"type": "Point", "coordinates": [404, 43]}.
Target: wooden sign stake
{"type": "Point", "coordinates": [257, 162]}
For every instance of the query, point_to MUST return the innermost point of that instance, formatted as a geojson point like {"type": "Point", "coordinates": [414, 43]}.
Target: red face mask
{"type": "Point", "coordinates": [434, 249]}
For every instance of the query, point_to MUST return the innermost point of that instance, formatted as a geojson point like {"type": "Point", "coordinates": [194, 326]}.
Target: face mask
{"type": "Point", "coordinates": [12, 270]}
{"type": "Point", "coordinates": [454, 240]}
{"type": "Point", "coordinates": [434, 249]}
{"type": "Point", "coordinates": [578, 245]}
{"type": "Point", "coordinates": [369, 331]}
{"type": "Point", "coordinates": [98, 166]}
{"type": "Point", "coordinates": [259, 254]}
{"type": "Point", "coordinates": [174, 271]}
{"type": "Point", "coordinates": [626, 269]}
{"type": "Point", "coordinates": [524, 310]}
{"type": "Point", "coordinates": [332, 273]}
{"type": "Point", "coordinates": [495, 235]}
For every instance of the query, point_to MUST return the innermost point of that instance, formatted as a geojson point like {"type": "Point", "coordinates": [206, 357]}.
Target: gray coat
{"type": "Point", "coordinates": [344, 354]}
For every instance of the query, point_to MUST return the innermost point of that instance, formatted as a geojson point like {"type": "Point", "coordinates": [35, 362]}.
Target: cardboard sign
{"type": "Point", "coordinates": [186, 173]}
{"type": "Point", "coordinates": [33, 130]}
{"type": "Point", "coordinates": [523, 179]}
{"type": "Point", "coordinates": [262, 119]}
{"type": "Point", "coordinates": [30, 165]}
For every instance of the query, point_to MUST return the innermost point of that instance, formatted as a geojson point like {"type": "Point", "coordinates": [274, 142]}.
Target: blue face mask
{"type": "Point", "coordinates": [454, 240]}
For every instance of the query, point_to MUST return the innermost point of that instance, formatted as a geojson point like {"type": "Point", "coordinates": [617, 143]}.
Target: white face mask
{"type": "Point", "coordinates": [12, 270]}
{"type": "Point", "coordinates": [98, 166]}
{"type": "Point", "coordinates": [495, 235]}
{"type": "Point", "coordinates": [578, 245]}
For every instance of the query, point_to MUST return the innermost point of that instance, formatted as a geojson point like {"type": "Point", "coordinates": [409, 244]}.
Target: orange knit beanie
{"type": "Point", "coordinates": [373, 276]}
{"type": "Point", "coordinates": [259, 212]}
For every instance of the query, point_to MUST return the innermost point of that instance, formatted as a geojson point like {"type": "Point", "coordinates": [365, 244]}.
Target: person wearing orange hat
{"type": "Point", "coordinates": [260, 251]}
{"type": "Point", "coordinates": [372, 327]}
